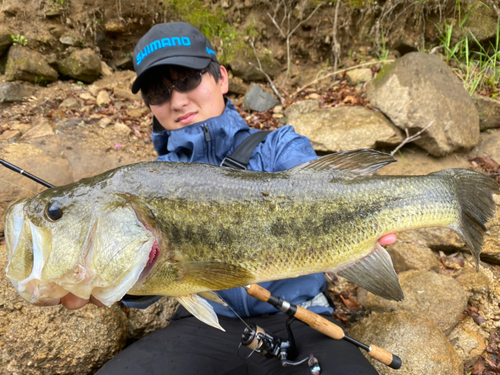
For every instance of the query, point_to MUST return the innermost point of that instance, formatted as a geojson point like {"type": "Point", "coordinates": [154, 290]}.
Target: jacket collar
{"type": "Point", "coordinates": [192, 144]}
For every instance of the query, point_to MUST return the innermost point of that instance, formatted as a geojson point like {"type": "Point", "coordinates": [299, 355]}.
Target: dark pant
{"type": "Point", "coordinates": [187, 346]}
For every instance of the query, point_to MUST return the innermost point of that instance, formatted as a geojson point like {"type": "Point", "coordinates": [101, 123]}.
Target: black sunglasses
{"type": "Point", "coordinates": [160, 92]}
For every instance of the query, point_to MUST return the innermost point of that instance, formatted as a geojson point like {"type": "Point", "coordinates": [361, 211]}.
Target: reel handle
{"type": "Point", "coordinates": [324, 326]}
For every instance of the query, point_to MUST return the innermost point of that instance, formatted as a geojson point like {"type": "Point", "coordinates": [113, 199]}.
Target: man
{"type": "Point", "coordinates": [182, 83]}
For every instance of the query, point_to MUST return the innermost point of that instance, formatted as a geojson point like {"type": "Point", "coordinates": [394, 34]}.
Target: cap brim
{"type": "Point", "coordinates": [185, 61]}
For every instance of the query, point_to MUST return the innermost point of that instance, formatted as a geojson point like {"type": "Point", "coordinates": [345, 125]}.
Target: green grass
{"type": "Point", "coordinates": [477, 65]}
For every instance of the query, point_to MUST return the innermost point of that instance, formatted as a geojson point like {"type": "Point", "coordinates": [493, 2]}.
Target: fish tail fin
{"type": "Point", "coordinates": [475, 195]}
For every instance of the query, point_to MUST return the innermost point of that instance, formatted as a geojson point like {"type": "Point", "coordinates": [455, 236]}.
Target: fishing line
{"type": "Point", "coordinates": [235, 313]}
{"type": "Point", "coordinates": [19, 186]}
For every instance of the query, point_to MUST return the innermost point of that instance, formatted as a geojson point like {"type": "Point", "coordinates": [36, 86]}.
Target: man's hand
{"type": "Point", "coordinates": [72, 302]}
{"type": "Point", "coordinates": [387, 239]}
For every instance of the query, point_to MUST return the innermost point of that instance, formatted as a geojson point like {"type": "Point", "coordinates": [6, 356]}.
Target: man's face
{"type": "Point", "coordinates": [200, 104]}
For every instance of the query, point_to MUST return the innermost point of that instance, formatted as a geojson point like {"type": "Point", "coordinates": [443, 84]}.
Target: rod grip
{"type": "Point", "coordinates": [258, 292]}
{"type": "Point", "coordinates": [389, 359]}
{"type": "Point", "coordinates": [319, 323]}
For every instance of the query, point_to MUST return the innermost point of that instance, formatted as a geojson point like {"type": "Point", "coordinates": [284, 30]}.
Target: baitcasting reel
{"type": "Point", "coordinates": [269, 345]}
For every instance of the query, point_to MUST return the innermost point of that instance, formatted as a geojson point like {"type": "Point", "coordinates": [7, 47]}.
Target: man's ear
{"type": "Point", "coordinates": [224, 80]}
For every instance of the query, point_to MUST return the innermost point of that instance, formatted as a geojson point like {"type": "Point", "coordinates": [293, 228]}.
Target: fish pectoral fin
{"type": "Point", "coordinates": [201, 309]}
{"type": "Point", "coordinates": [362, 162]}
{"type": "Point", "coordinates": [213, 296]}
{"type": "Point", "coordinates": [375, 273]}
{"type": "Point", "coordinates": [214, 275]}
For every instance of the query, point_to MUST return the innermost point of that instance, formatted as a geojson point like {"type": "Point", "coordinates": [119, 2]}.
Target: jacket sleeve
{"type": "Point", "coordinates": [281, 150]}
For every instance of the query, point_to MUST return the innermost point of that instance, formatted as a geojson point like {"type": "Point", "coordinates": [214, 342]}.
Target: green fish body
{"type": "Point", "coordinates": [178, 229]}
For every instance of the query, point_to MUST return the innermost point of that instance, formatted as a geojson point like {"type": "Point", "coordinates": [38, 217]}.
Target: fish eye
{"type": "Point", "coordinates": [54, 211]}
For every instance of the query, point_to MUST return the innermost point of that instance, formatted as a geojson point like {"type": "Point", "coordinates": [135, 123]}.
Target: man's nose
{"type": "Point", "coordinates": [178, 99]}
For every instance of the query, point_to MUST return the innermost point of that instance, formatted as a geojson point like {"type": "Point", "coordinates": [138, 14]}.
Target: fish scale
{"type": "Point", "coordinates": [218, 228]}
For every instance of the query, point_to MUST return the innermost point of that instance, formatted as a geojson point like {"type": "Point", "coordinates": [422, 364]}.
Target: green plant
{"type": "Point", "coordinates": [381, 48]}
{"type": "Point", "coordinates": [19, 39]}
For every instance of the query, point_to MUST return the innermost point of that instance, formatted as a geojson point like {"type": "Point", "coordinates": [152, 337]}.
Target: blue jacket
{"type": "Point", "coordinates": [210, 142]}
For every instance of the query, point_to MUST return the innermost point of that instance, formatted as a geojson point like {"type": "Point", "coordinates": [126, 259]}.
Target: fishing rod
{"type": "Point", "coordinates": [24, 173]}
{"type": "Point", "coordinates": [321, 324]}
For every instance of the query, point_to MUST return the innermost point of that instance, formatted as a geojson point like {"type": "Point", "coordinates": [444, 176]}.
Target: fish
{"type": "Point", "coordinates": [187, 230]}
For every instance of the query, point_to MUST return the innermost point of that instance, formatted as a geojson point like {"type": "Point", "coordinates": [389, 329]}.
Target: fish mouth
{"type": "Point", "coordinates": [154, 254]}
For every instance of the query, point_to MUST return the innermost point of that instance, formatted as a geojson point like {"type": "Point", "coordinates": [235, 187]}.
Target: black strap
{"type": "Point", "coordinates": [240, 158]}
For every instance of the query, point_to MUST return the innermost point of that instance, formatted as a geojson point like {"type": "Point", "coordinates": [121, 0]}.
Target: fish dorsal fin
{"type": "Point", "coordinates": [200, 309]}
{"type": "Point", "coordinates": [375, 273]}
{"type": "Point", "coordinates": [362, 162]}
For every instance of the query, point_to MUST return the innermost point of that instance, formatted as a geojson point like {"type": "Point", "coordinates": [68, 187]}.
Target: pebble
{"type": "Point", "coordinates": [103, 98]}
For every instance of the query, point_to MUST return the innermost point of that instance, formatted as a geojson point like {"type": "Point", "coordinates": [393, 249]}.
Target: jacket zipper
{"type": "Point", "coordinates": [208, 139]}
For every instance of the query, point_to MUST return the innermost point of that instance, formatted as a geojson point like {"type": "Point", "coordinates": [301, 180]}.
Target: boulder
{"type": "Point", "coordinates": [52, 340]}
{"type": "Point", "coordinates": [467, 340]}
{"type": "Point", "coordinates": [11, 92]}
{"type": "Point", "coordinates": [419, 89]}
{"type": "Point", "coordinates": [489, 112]}
{"type": "Point", "coordinates": [258, 100]}
{"type": "Point", "coordinates": [481, 21]}
{"type": "Point", "coordinates": [409, 256]}
{"type": "Point", "coordinates": [359, 75]}
{"type": "Point", "coordinates": [439, 298]}
{"type": "Point", "coordinates": [342, 128]}
{"type": "Point", "coordinates": [26, 65]}
{"type": "Point", "coordinates": [5, 39]}
{"type": "Point", "coordinates": [241, 67]}
{"type": "Point", "coordinates": [421, 345]}
{"type": "Point", "coordinates": [83, 65]}
{"type": "Point", "coordinates": [154, 317]}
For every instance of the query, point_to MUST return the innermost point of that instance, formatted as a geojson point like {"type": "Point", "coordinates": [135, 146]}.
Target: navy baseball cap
{"type": "Point", "coordinates": [175, 43]}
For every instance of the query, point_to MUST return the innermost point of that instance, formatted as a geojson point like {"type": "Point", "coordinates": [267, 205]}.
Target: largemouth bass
{"type": "Point", "coordinates": [185, 230]}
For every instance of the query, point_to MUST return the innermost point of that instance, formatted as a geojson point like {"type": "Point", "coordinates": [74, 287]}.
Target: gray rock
{"type": "Point", "coordinates": [237, 86]}
{"type": "Point", "coordinates": [154, 317]}
{"type": "Point", "coordinates": [489, 145]}
{"type": "Point", "coordinates": [439, 298]}
{"type": "Point", "coordinates": [420, 88]}
{"type": "Point", "coordinates": [5, 39]}
{"type": "Point", "coordinates": [68, 40]}
{"type": "Point", "coordinates": [241, 68]}
{"type": "Point", "coordinates": [481, 22]}
{"type": "Point", "coordinates": [15, 92]}
{"type": "Point", "coordinates": [467, 341]}
{"type": "Point", "coordinates": [489, 112]}
{"type": "Point", "coordinates": [258, 100]}
{"type": "Point", "coordinates": [83, 65]}
{"type": "Point", "coordinates": [343, 128]}
{"type": "Point", "coordinates": [409, 256]}
{"type": "Point", "coordinates": [359, 75]}
{"type": "Point", "coordinates": [52, 340]}
{"type": "Point", "coordinates": [491, 247]}
{"type": "Point", "coordinates": [26, 65]}
{"type": "Point", "coordinates": [70, 103]}
{"type": "Point", "coordinates": [43, 129]}
{"type": "Point", "coordinates": [421, 345]}
{"type": "Point", "coordinates": [123, 63]}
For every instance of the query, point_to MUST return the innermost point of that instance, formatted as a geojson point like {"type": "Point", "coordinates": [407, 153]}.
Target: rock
{"type": "Point", "coordinates": [53, 340]}
{"type": "Point", "coordinates": [121, 129]}
{"type": "Point", "coordinates": [105, 69]}
{"type": "Point", "coordinates": [489, 112]}
{"type": "Point", "coordinates": [86, 96]}
{"type": "Point", "coordinates": [105, 121]}
{"type": "Point", "coordinates": [241, 67]}
{"type": "Point", "coordinates": [489, 146]}
{"type": "Point", "coordinates": [258, 100]}
{"type": "Point", "coordinates": [420, 344]}
{"type": "Point", "coordinates": [137, 112]}
{"type": "Point", "coordinates": [83, 65]}
{"type": "Point", "coordinates": [484, 287]}
{"type": "Point", "coordinates": [439, 298]}
{"type": "Point", "coordinates": [154, 317]}
{"type": "Point", "coordinates": [5, 39]}
{"type": "Point", "coordinates": [10, 135]}
{"type": "Point", "coordinates": [115, 26]}
{"type": "Point", "coordinates": [420, 88]}
{"type": "Point", "coordinates": [68, 40]}
{"type": "Point", "coordinates": [343, 128]}
{"type": "Point", "coordinates": [70, 103]}
{"type": "Point", "coordinates": [26, 65]}
{"type": "Point", "coordinates": [491, 247]}
{"type": "Point", "coordinates": [481, 21]}
{"type": "Point", "coordinates": [17, 125]}
{"type": "Point", "coordinates": [103, 98]}
{"type": "Point", "coordinates": [408, 256]}
{"type": "Point", "coordinates": [123, 63]}
{"type": "Point", "coordinates": [121, 92]}
{"type": "Point", "coordinates": [50, 167]}
{"type": "Point", "coordinates": [359, 75]}
{"type": "Point", "coordinates": [437, 239]}
{"type": "Point", "coordinates": [467, 341]}
{"type": "Point", "coordinates": [15, 92]}
{"type": "Point", "coordinates": [45, 128]}
{"type": "Point", "coordinates": [237, 86]}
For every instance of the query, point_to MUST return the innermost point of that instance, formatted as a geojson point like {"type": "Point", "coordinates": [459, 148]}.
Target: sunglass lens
{"type": "Point", "coordinates": [188, 83]}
